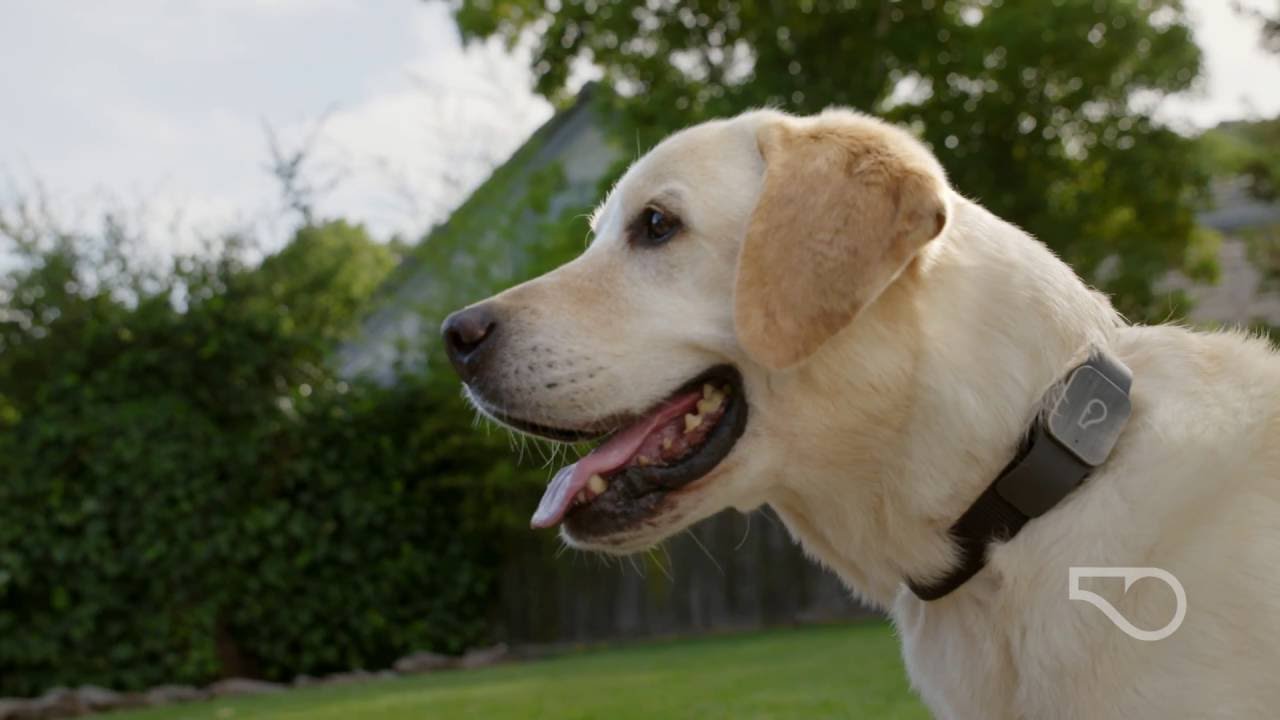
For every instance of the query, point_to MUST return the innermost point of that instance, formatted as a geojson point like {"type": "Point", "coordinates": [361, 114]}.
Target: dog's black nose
{"type": "Point", "coordinates": [465, 333]}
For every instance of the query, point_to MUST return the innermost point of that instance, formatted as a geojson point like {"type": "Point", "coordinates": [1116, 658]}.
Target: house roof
{"type": "Point", "coordinates": [483, 246]}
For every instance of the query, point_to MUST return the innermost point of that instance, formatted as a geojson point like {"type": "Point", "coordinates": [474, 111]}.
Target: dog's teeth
{"type": "Point", "coordinates": [644, 461]}
{"type": "Point", "coordinates": [666, 443]}
{"type": "Point", "coordinates": [708, 390]}
{"type": "Point", "coordinates": [597, 484]}
{"type": "Point", "coordinates": [710, 404]}
{"type": "Point", "coordinates": [691, 423]}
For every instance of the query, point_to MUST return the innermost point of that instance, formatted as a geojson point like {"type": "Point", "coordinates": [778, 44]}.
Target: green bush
{"type": "Point", "coordinates": [188, 491]}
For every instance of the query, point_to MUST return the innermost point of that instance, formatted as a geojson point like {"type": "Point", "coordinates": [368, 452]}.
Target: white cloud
{"type": "Point", "coordinates": [163, 105]}
{"type": "Point", "coordinates": [1239, 78]}
{"type": "Point", "coordinates": [408, 156]}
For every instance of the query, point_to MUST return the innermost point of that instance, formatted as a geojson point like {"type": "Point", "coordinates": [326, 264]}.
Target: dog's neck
{"type": "Point", "coordinates": [937, 383]}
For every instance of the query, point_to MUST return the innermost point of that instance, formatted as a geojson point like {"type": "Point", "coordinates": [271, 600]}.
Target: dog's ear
{"type": "Point", "coordinates": [846, 204]}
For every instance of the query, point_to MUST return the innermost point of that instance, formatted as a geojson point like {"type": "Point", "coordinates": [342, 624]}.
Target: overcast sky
{"type": "Point", "coordinates": [163, 104]}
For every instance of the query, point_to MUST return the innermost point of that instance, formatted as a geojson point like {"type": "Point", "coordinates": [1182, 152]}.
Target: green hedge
{"type": "Point", "coordinates": [188, 492]}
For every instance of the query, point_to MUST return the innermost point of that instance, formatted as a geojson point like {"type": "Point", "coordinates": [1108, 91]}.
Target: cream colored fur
{"type": "Point", "coordinates": [877, 433]}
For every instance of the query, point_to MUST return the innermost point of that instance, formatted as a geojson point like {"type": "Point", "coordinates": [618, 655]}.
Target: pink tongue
{"type": "Point", "coordinates": [614, 453]}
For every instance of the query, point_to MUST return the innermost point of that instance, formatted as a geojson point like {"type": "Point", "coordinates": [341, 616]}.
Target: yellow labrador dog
{"type": "Point", "coordinates": [800, 312]}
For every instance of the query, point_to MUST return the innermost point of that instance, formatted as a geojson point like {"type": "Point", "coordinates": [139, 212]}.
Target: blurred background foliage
{"type": "Point", "coordinates": [1246, 149]}
{"type": "Point", "coordinates": [1041, 111]}
{"type": "Point", "coordinates": [189, 490]}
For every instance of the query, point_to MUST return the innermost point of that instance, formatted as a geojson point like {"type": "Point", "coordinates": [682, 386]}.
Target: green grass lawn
{"type": "Point", "coordinates": [849, 671]}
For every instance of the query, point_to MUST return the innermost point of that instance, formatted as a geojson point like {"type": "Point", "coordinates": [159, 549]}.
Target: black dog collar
{"type": "Point", "coordinates": [1089, 411]}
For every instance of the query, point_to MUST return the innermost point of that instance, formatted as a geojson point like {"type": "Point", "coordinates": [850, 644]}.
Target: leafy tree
{"type": "Point", "coordinates": [1040, 110]}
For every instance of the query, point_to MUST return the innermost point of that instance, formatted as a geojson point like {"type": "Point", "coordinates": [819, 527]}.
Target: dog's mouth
{"type": "Point", "coordinates": [644, 458]}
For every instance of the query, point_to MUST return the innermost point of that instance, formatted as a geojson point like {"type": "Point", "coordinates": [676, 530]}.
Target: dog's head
{"type": "Point", "coordinates": [722, 263]}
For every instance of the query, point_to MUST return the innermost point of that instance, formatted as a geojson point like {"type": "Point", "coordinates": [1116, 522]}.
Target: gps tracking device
{"type": "Point", "coordinates": [1087, 412]}
{"type": "Point", "coordinates": [1074, 437]}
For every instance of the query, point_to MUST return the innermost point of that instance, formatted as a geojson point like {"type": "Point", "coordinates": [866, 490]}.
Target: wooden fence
{"type": "Point", "coordinates": [729, 572]}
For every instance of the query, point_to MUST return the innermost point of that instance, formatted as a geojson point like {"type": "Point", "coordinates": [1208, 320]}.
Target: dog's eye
{"type": "Point", "coordinates": [657, 226]}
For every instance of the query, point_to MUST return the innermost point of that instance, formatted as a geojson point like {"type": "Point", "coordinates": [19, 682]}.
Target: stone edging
{"type": "Point", "coordinates": [88, 699]}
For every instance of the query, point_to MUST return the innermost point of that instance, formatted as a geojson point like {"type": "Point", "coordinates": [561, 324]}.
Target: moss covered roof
{"type": "Point", "coordinates": [501, 234]}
